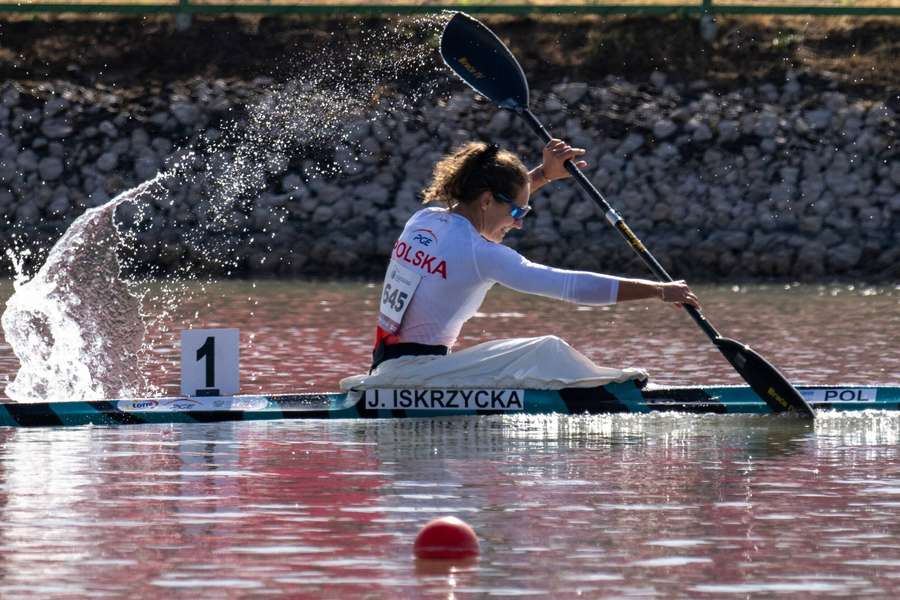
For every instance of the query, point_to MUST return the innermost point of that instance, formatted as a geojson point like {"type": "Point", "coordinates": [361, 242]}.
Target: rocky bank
{"type": "Point", "coordinates": [778, 174]}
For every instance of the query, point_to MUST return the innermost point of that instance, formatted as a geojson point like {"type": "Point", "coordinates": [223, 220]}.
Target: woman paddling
{"type": "Point", "coordinates": [447, 259]}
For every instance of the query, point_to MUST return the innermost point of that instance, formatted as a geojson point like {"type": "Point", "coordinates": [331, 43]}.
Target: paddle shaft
{"type": "Point", "coordinates": [616, 221]}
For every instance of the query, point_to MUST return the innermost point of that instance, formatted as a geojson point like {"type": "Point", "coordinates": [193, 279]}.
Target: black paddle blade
{"type": "Point", "coordinates": [767, 381]}
{"type": "Point", "coordinates": [482, 61]}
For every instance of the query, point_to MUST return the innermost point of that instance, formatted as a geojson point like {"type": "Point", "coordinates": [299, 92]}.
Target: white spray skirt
{"type": "Point", "coordinates": [539, 363]}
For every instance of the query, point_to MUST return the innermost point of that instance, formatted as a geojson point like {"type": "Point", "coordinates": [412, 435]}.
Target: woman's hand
{"type": "Point", "coordinates": [678, 292]}
{"type": "Point", "coordinates": [556, 152]}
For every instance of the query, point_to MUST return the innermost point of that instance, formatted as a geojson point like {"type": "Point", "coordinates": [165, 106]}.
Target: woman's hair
{"type": "Point", "coordinates": [477, 167]}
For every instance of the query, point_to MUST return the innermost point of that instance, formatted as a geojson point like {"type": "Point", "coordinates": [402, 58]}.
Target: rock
{"type": "Point", "coordinates": [56, 129]}
{"type": "Point", "coordinates": [663, 129]}
{"type": "Point", "coordinates": [666, 151]}
{"type": "Point", "coordinates": [322, 215]}
{"type": "Point", "coordinates": [146, 167]}
{"type": "Point", "coordinates": [877, 114]}
{"type": "Point", "coordinates": [818, 119]}
{"type": "Point", "coordinates": [8, 170]}
{"type": "Point", "coordinates": [107, 162]}
{"type": "Point", "coordinates": [844, 257]}
{"type": "Point", "coordinates": [50, 168]}
{"type": "Point", "coordinates": [161, 146]}
{"type": "Point", "coordinates": [54, 106]}
{"type": "Point", "coordinates": [108, 129]}
{"type": "Point", "coordinates": [186, 113]}
{"type": "Point", "coordinates": [98, 197]}
{"type": "Point", "coordinates": [870, 218]}
{"type": "Point", "coordinates": [291, 183]}
{"type": "Point", "coordinates": [140, 139]}
{"type": "Point", "coordinates": [708, 28]}
{"type": "Point", "coordinates": [811, 224]}
{"type": "Point", "coordinates": [499, 123]}
{"type": "Point", "coordinates": [59, 206]}
{"type": "Point", "coordinates": [373, 193]}
{"type": "Point", "coordinates": [658, 79]}
{"type": "Point", "coordinates": [811, 261]}
{"type": "Point", "coordinates": [728, 130]}
{"type": "Point", "coordinates": [700, 131]}
{"type": "Point", "coordinates": [559, 204]}
{"type": "Point", "coordinates": [552, 104]}
{"type": "Point", "coordinates": [28, 213]}
{"type": "Point", "coordinates": [631, 143]}
{"type": "Point", "coordinates": [10, 96]}
{"type": "Point", "coordinates": [570, 226]}
{"type": "Point", "coordinates": [571, 93]}
{"type": "Point", "coordinates": [766, 125]}
{"type": "Point", "coordinates": [895, 172]}
{"type": "Point", "coordinates": [841, 184]}
{"type": "Point", "coordinates": [27, 161]}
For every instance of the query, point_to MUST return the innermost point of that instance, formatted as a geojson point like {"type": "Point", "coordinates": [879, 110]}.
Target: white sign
{"type": "Point", "coordinates": [840, 395]}
{"type": "Point", "coordinates": [399, 286]}
{"type": "Point", "coordinates": [210, 362]}
{"type": "Point", "coordinates": [445, 399]}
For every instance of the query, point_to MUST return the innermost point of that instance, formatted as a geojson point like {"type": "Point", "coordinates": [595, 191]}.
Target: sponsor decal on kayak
{"type": "Point", "coordinates": [840, 395]}
{"type": "Point", "coordinates": [445, 399]}
{"type": "Point", "coordinates": [228, 403]}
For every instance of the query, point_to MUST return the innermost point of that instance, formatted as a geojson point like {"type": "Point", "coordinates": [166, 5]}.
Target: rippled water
{"type": "Point", "coordinates": [603, 506]}
{"type": "Point", "coordinates": [307, 336]}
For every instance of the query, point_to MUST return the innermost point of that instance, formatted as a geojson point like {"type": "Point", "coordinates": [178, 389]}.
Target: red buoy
{"type": "Point", "coordinates": [446, 538]}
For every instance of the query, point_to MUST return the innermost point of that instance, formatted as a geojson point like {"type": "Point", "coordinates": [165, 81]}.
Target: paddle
{"type": "Point", "coordinates": [480, 59]}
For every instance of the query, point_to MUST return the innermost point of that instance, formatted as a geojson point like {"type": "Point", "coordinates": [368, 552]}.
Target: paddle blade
{"type": "Point", "coordinates": [482, 61]}
{"type": "Point", "coordinates": [767, 381]}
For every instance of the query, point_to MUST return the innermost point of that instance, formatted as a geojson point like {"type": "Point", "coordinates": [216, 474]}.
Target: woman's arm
{"type": "Point", "coordinates": [509, 268]}
{"type": "Point", "coordinates": [676, 292]}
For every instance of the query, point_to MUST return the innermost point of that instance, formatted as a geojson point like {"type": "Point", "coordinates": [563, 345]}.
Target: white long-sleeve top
{"type": "Point", "coordinates": [457, 268]}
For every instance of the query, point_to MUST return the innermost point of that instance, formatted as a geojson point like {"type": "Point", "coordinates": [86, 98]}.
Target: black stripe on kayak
{"type": "Point", "coordinates": [33, 414]}
{"type": "Point", "coordinates": [597, 400]}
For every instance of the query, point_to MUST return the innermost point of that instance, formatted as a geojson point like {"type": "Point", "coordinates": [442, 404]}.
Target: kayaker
{"type": "Point", "coordinates": [448, 257]}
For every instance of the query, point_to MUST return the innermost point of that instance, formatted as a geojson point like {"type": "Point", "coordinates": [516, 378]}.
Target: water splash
{"type": "Point", "coordinates": [76, 326]}
{"type": "Point", "coordinates": [79, 326]}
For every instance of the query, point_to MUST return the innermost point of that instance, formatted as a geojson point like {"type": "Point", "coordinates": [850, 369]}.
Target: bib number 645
{"type": "Point", "coordinates": [394, 298]}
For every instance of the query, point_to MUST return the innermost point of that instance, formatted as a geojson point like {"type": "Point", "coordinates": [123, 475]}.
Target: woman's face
{"type": "Point", "coordinates": [497, 218]}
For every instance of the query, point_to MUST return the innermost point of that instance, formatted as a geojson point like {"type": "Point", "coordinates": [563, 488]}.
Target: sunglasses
{"type": "Point", "coordinates": [515, 211]}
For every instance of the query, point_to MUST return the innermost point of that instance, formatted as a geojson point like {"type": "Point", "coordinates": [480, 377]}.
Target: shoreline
{"type": "Point", "coordinates": [721, 177]}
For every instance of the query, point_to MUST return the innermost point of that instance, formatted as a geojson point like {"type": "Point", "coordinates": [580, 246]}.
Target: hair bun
{"type": "Point", "coordinates": [488, 154]}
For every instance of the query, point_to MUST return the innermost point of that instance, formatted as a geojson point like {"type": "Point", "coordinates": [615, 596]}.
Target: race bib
{"type": "Point", "coordinates": [399, 286]}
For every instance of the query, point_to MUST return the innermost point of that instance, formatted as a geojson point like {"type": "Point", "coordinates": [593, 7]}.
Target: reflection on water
{"type": "Point", "coordinates": [308, 336]}
{"type": "Point", "coordinates": [672, 505]}
{"type": "Point", "coordinates": [597, 506]}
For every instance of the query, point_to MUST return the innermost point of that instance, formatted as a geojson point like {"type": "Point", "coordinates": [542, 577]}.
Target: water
{"type": "Point", "coordinates": [307, 336]}
{"type": "Point", "coordinates": [603, 506]}
{"type": "Point", "coordinates": [566, 506]}
{"type": "Point", "coordinates": [619, 506]}
{"type": "Point", "coordinates": [75, 326]}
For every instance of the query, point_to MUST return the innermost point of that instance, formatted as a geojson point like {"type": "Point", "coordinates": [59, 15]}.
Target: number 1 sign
{"type": "Point", "coordinates": [209, 362]}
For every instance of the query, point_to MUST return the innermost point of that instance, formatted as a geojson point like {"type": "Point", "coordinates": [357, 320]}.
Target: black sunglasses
{"type": "Point", "coordinates": [515, 211]}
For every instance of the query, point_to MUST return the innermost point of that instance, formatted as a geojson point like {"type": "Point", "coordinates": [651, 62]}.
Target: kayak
{"type": "Point", "coordinates": [430, 403]}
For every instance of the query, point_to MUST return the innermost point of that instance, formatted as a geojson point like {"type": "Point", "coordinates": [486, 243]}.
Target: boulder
{"type": "Point", "coordinates": [664, 129]}
{"type": "Point", "coordinates": [50, 168]}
